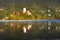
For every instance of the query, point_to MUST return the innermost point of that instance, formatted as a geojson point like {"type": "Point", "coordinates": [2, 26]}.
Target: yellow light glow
{"type": "Point", "coordinates": [3, 19]}
{"type": "Point", "coordinates": [11, 15]}
{"type": "Point", "coordinates": [7, 17]}
{"type": "Point", "coordinates": [11, 24]}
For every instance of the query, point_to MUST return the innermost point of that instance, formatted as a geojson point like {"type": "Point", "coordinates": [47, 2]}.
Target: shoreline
{"type": "Point", "coordinates": [29, 20]}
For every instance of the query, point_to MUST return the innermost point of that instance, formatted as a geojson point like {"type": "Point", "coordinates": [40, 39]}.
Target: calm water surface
{"type": "Point", "coordinates": [30, 30]}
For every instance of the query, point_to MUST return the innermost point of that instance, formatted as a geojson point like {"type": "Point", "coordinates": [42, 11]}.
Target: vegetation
{"type": "Point", "coordinates": [37, 13]}
{"type": "Point", "coordinates": [39, 9]}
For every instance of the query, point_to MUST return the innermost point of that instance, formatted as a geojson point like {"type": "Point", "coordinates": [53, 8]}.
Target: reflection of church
{"type": "Point", "coordinates": [25, 28]}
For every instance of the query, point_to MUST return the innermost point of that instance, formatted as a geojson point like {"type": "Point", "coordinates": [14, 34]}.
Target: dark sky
{"type": "Point", "coordinates": [30, 2]}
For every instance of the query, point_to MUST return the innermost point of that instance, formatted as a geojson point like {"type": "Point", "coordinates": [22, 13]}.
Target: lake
{"type": "Point", "coordinates": [30, 30]}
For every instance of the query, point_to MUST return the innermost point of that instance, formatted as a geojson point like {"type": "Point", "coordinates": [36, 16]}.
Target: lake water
{"type": "Point", "coordinates": [30, 30]}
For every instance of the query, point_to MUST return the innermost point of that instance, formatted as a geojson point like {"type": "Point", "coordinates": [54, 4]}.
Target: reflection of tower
{"type": "Point", "coordinates": [29, 26]}
{"type": "Point", "coordinates": [24, 29]}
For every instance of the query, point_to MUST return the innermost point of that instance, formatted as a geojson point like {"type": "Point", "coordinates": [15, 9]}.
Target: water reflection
{"type": "Point", "coordinates": [30, 30]}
